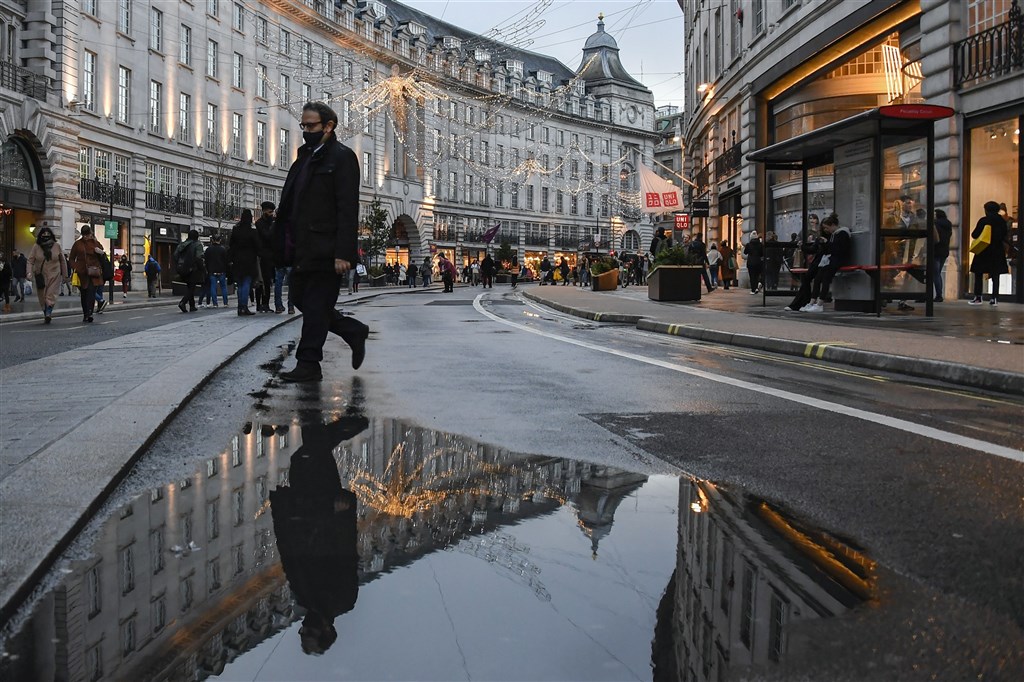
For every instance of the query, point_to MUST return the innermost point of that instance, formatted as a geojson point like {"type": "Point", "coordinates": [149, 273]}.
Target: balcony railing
{"type": "Point", "coordinates": [536, 240]}
{"type": "Point", "coordinates": [567, 242]}
{"type": "Point", "coordinates": [703, 179]}
{"type": "Point", "coordinates": [165, 203]}
{"type": "Point", "coordinates": [102, 192]}
{"type": "Point", "coordinates": [220, 210]}
{"type": "Point", "coordinates": [997, 51]}
{"type": "Point", "coordinates": [728, 163]}
{"type": "Point", "coordinates": [23, 81]}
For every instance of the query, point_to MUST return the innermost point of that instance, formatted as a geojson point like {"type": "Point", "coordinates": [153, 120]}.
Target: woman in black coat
{"type": "Point", "coordinates": [244, 248]}
{"type": "Point", "coordinates": [992, 260]}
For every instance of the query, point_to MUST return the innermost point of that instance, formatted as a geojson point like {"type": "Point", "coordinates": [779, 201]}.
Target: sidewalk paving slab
{"type": "Point", "coordinates": [971, 347]}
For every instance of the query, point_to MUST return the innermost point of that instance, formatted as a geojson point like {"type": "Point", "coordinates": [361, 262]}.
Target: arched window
{"type": "Point", "coordinates": [16, 167]}
{"type": "Point", "coordinates": [631, 241]}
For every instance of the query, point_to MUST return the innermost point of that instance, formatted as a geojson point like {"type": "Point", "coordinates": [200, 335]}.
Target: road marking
{"type": "Point", "coordinates": [816, 403]}
{"type": "Point", "coordinates": [137, 317]}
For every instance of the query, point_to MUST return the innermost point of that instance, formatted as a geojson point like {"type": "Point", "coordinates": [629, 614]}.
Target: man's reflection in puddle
{"type": "Point", "coordinates": [315, 524]}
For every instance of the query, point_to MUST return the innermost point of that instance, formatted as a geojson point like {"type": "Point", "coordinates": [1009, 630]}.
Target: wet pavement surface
{"type": "Point", "coordinates": [327, 543]}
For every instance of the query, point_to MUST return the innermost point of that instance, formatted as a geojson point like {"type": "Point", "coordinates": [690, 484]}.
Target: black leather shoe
{"type": "Point", "coordinates": [357, 342]}
{"type": "Point", "coordinates": [304, 371]}
{"type": "Point", "coordinates": [182, 308]}
{"type": "Point", "coordinates": [242, 312]}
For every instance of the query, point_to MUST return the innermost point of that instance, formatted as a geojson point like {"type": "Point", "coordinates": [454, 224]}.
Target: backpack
{"type": "Point", "coordinates": [152, 267]}
{"type": "Point", "coordinates": [185, 259]}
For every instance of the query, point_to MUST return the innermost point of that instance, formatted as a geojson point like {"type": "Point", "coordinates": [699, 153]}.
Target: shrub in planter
{"type": "Point", "coordinates": [676, 276]}
{"type": "Point", "coordinates": [377, 276]}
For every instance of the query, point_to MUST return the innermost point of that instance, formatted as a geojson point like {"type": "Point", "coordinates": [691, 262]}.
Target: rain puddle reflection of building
{"type": "Point", "coordinates": [276, 547]}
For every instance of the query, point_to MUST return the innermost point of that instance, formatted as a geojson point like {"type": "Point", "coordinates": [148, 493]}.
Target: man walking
{"type": "Point", "coordinates": [316, 233]}
{"type": "Point", "coordinates": [754, 251]}
{"type": "Point", "coordinates": [264, 230]}
{"type": "Point", "coordinates": [216, 258]}
{"type": "Point", "coordinates": [19, 268]}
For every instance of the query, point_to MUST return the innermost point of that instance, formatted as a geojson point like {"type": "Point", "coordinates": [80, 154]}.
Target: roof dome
{"type": "Point", "coordinates": [600, 39]}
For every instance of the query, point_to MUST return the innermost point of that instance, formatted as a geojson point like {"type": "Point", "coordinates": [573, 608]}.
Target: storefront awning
{"type": "Point", "coordinates": [816, 147]}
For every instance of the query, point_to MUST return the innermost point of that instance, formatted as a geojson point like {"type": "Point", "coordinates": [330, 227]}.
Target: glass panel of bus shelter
{"type": "Point", "coordinates": [787, 224]}
{"type": "Point", "coordinates": [904, 217]}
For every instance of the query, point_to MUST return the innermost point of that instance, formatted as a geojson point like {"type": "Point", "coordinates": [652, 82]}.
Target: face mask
{"type": "Point", "coordinates": [312, 138]}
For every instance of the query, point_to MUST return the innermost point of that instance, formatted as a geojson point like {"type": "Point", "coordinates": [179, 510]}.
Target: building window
{"type": "Point", "coordinates": [306, 52]}
{"type": "Point", "coordinates": [544, 195]}
{"type": "Point", "coordinates": [121, 170]}
{"type": "Point", "coordinates": [212, 52]}
{"type": "Point", "coordinates": [284, 43]}
{"type": "Point", "coordinates": [213, 519]}
{"type": "Point", "coordinates": [261, 30]}
{"type": "Point", "coordinates": [156, 99]}
{"type": "Point", "coordinates": [238, 18]}
{"type": "Point", "coordinates": [124, 94]}
{"type": "Point", "coordinates": [94, 663]}
{"type": "Point", "coordinates": [514, 195]}
{"type": "Point", "coordinates": [757, 7]}
{"type": "Point", "coordinates": [127, 565]}
{"type": "Point", "coordinates": [213, 575]}
{"type": "Point", "coordinates": [186, 593]}
{"type": "Point", "coordinates": [238, 506]}
{"type": "Point", "coordinates": [747, 608]}
{"type": "Point", "coordinates": [158, 613]}
{"type": "Point", "coordinates": [777, 627]}
{"type": "Point", "coordinates": [156, 550]}
{"type": "Point", "coordinates": [589, 204]}
{"type": "Point", "coordinates": [261, 81]}
{"type": "Point", "coordinates": [128, 636]}
{"type": "Point", "coordinates": [284, 149]}
{"type": "Point", "coordinates": [307, 92]}
{"type": "Point", "coordinates": [286, 86]}
{"type": "Point", "coordinates": [212, 7]}
{"type": "Point", "coordinates": [237, 66]}
{"type": "Point", "coordinates": [261, 142]}
{"type": "Point", "coordinates": [211, 143]}
{"type": "Point", "coordinates": [185, 45]}
{"type": "Point", "coordinates": [89, 7]}
{"type": "Point", "coordinates": [236, 134]}
{"type": "Point", "coordinates": [88, 98]}
{"type": "Point", "coordinates": [124, 16]}
{"type": "Point", "coordinates": [184, 117]}
{"type": "Point", "coordinates": [559, 202]}
{"type": "Point", "coordinates": [156, 30]}
{"type": "Point", "coordinates": [93, 591]}
{"type": "Point", "coordinates": [718, 41]}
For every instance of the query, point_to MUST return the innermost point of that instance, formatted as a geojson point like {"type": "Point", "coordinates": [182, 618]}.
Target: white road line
{"type": "Point", "coordinates": [137, 317]}
{"type": "Point", "coordinates": [816, 403]}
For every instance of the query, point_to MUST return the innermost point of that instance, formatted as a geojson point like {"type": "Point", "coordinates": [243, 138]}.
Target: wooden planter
{"type": "Point", "coordinates": [606, 281]}
{"type": "Point", "coordinates": [674, 283]}
{"type": "Point", "coordinates": [378, 281]}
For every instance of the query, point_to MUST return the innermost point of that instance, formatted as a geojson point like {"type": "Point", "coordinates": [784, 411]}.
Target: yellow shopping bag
{"type": "Point", "coordinates": [75, 282]}
{"type": "Point", "coordinates": [981, 242]}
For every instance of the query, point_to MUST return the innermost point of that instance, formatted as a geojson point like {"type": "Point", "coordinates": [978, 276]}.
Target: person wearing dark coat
{"type": "Point", "coordinates": [5, 280]}
{"type": "Point", "coordinates": [991, 260]}
{"type": "Point", "coordinates": [196, 275]}
{"type": "Point", "coordinates": [216, 258]}
{"type": "Point", "coordinates": [265, 230]}
{"type": "Point", "coordinates": [243, 252]}
{"type": "Point", "coordinates": [832, 254]}
{"type": "Point", "coordinates": [699, 249]}
{"type": "Point", "coordinates": [315, 526]}
{"type": "Point", "coordinates": [940, 250]}
{"type": "Point", "coordinates": [487, 271]}
{"type": "Point", "coordinates": [754, 252]}
{"type": "Point", "coordinates": [316, 233]}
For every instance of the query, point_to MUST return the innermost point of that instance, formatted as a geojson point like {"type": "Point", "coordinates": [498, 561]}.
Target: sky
{"type": "Point", "coordinates": [649, 32]}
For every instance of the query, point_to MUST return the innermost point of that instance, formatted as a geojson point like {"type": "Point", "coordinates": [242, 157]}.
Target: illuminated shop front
{"type": "Point", "coordinates": [22, 198]}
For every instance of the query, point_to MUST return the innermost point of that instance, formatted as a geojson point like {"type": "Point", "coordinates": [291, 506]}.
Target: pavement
{"type": "Point", "coordinates": [60, 425]}
{"type": "Point", "coordinates": [975, 346]}
{"type": "Point", "coordinates": [56, 420]}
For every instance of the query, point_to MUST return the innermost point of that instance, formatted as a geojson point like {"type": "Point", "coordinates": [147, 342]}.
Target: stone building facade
{"type": "Point", "coordinates": [761, 72]}
{"type": "Point", "coordinates": [151, 118]}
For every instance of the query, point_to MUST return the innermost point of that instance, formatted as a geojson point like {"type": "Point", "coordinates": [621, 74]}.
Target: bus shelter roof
{"type": "Point", "coordinates": [816, 148]}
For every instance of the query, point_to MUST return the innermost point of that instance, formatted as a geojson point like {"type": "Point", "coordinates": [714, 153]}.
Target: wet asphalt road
{"type": "Point", "coordinates": [940, 521]}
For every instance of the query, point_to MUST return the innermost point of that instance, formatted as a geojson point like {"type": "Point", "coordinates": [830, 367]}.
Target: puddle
{"type": "Point", "coordinates": [371, 548]}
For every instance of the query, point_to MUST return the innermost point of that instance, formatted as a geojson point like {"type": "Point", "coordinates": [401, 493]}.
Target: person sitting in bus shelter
{"type": "Point", "coordinates": [829, 255]}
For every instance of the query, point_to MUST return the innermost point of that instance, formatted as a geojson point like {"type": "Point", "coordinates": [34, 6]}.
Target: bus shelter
{"type": "Point", "coordinates": [874, 170]}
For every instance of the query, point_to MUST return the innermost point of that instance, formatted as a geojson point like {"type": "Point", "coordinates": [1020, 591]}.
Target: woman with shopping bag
{"type": "Point", "coordinates": [988, 244]}
{"type": "Point", "coordinates": [47, 269]}
{"type": "Point", "coordinates": [85, 261]}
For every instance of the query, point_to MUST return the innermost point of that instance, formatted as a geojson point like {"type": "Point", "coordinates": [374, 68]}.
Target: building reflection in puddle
{"type": "Point", "coordinates": [746, 576]}
{"type": "Point", "coordinates": [287, 524]}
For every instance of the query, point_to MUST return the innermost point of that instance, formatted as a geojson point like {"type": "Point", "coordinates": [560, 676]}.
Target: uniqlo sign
{"type": "Point", "coordinates": [653, 200]}
{"type": "Point", "coordinates": [682, 222]}
{"type": "Point", "coordinates": [670, 199]}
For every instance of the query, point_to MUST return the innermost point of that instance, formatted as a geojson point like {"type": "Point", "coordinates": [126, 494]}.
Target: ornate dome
{"type": "Point", "coordinates": [600, 39]}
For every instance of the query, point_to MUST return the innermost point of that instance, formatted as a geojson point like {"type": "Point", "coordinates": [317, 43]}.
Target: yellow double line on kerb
{"type": "Point", "coordinates": [817, 350]}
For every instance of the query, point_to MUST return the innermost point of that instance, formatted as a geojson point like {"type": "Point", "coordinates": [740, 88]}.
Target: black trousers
{"type": "Point", "coordinates": [267, 270]}
{"type": "Point", "coordinates": [315, 294]}
{"type": "Point", "coordinates": [87, 290]}
{"type": "Point", "coordinates": [755, 276]}
{"type": "Point", "coordinates": [190, 296]}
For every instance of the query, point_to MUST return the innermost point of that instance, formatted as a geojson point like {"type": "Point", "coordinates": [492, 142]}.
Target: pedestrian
{"type": "Point", "coordinates": [317, 233]}
{"type": "Point", "coordinates": [448, 273]}
{"type": "Point", "coordinates": [514, 270]}
{"type": "Point", "coordinates": [728, 264]}
{"type": "Point", "coordinates": [152, 271]}
{"type": "Point", "coordinates": [107, 270]}
{"type": "Point", "coordinates": [47, 267]}
{"type": "Point", "coordinates": [85, 263]}
{"type": "Point", "coordinates": [215, 258]}
{"type": "Point", "coordinates": [265, 231]}
{"type": "Point", "coordinates": [125, 266]}
{"type": "Point", "coordinates": [834, 252]}
{"type": "Point", "coordinates": [943, 232]}
{"type": "Point", "coordinates": [714, 259]}
{"type": "Point", "coordinates": [410, 275]}
{"type": "Point", "coordinates": [990, 258]}
{"type": "Point", "coordinates": [788, 256]}
{"type": "Point", "coordinates": [474, 273]}
{"type": "Point", "coordinates": [426, 270]}
{"type": "Point", "coordinates": [754, 252]}
{"type": "Point", "coordinates": [19, 270]}
{"type": "Point", "coordinates": [188, 261]}
{"type": "Point", "coordinates": [357, 274]}
{"type": "Point", "coordinates": [243, 254]}
{"type": "Point", "coordinates": [660, 242]}
{"type": "Point", "coordinates": [487, 271]}
{"type": "Point", "coordinates": [698, 249]}
{"type": "Point", "coordinates": [5, 281]}
{"type": "Point", "coordinates": [545, 271]}
{"type": "Point", "coordinates": [563, 271]}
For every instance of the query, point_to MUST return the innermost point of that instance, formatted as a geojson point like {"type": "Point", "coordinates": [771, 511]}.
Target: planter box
{"type": "Point", "coordinates": [379, 281]}
{"type": "Point", "coordinates": [675, 283]}
{"type": "Point", "coordinates": [503, 279]}
{"type": "Point", "coordinates": [606, 281]}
